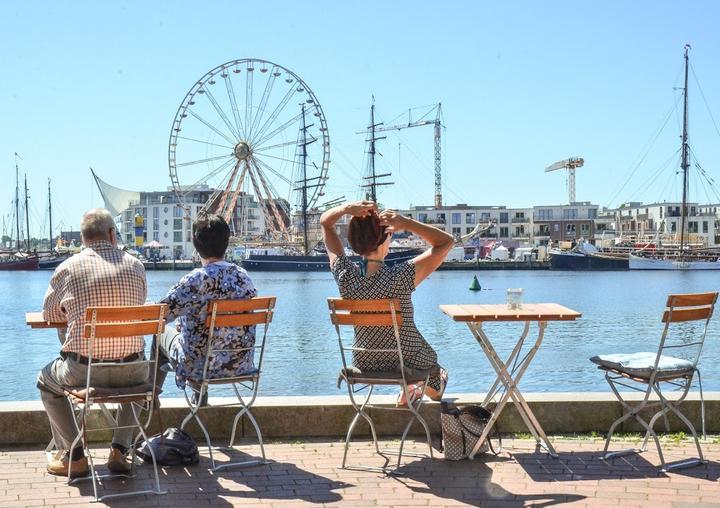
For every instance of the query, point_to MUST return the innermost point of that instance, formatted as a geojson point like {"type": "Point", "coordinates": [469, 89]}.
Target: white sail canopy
{"type": "Point", "coordinates": [116, 199]}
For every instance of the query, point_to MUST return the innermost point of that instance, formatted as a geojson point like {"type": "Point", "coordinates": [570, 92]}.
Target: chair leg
{"type": "Point", "coordinates": [360, 412]}
{"type": "Point", "coordinates": [194, 409]}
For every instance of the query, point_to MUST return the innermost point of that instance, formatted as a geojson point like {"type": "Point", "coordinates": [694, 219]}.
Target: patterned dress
{"type": "Point", "coordinates": [397, 281]}
{"type": "Point", "coordinates": [188, 302]}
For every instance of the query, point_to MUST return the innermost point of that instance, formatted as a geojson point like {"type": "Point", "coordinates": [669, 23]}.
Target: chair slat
{"type": "Point", "coordinates": [257, 303]}
{"type": "Point", "coordinates": [687, 314]}
{"type": "Point", "coordinates": [691, 299]}
{"type": "Point", "coordinates": [235, 320]}
{"type": "Point", "coordinates": [126, 313]}
{"type": "Point", "coordinates": [364, 305]}
{"type": "Point", "coordinates": [107, 330]}
{"type": "Point", "coordinates": [357, 319]}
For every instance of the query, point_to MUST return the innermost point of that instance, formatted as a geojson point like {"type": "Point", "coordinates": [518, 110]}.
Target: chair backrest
{"type": "Point", "coordinates": [684, 313]}
{"type": "Point", "coordinates": [235, 314]}
{"type": "Point", "coordinates": [106, 323]}
{"type": "Point", "coordinates": [367, 313]}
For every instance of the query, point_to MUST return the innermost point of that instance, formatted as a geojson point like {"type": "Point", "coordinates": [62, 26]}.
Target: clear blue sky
{"type": "Point", "coordinates": [522, 84]}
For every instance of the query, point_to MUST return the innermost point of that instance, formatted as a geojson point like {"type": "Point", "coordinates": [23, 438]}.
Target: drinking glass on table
{"type": "Point", "coordinates": [514, 298]}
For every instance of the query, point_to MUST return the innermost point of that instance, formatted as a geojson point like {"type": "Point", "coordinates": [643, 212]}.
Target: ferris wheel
{"type": "Point", "coordinates": [247, 128]}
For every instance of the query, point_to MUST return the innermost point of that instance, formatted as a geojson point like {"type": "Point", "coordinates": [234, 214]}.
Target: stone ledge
{"type": "Point", "coordinates": [25, 422]}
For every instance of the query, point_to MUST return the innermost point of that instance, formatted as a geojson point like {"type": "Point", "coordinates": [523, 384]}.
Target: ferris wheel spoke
{"type": "Point", "coordinates": [204, 142]}
{"type": "Point", "coordinates": [263, 100]}
{"type": "Point", "coordinates": [248, 98]}
{"type": "Point", "coordinates": [273, 171]}
{"type": "Point", "coordinates": [207, 177]}
{"type": "Point", "coordinates": [221, 113]}
{"type": "Point", "coordinates": [275, 157]}
{"type": "Point", "coordinates": [270, 119]}
{"type": "Point", "coordinates": [233, 104]}
{"type": "Point", "coordinates": [211, 126]}
{"type": "Point", "coordinates": [200, 161]}
{"type": "Point", "coordinates": [279, 129]}
{"type": "Point", "coordinates": [271, 147]}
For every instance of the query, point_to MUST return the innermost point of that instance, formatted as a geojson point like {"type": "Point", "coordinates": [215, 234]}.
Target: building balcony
{"type": "Point", "coordinates": [520, 220]}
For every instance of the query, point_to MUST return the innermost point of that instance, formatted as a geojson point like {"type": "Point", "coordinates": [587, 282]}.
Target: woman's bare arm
{"type": "Point", "coordinates": [329, 218]}
{"type": "Point", "coordinates": [440, 242]}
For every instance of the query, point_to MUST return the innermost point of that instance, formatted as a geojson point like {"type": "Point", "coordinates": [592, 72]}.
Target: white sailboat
{"type": "Point", "coordinates": [682, 257]}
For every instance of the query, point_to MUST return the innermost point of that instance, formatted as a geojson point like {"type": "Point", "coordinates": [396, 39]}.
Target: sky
{"type": "Point", "coordinates": [522, 84]}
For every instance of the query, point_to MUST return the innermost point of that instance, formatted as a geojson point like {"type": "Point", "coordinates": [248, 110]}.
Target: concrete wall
{"type": "Point", "coordinates": [300, 417]}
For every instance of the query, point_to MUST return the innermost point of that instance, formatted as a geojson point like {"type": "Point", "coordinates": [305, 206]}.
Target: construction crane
{"type": "Point", "coordinates": [437, 122]}
{"type": "Point", "coordinates": [571, 165]}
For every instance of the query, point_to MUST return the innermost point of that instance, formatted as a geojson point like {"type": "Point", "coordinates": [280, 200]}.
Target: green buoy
{"type": "Point", "coordinates": [475, 284]}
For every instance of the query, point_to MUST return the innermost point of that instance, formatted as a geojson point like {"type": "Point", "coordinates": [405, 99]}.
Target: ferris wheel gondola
{"type": "Point", "coordinates": [229, 137]}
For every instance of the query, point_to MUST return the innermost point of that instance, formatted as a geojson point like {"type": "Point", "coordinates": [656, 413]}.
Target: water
{"type": "Point", "coordinates": [621, 313]}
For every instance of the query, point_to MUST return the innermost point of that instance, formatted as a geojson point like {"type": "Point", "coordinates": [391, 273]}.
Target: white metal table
{"type": "Point", "coordinates": [511, 371]}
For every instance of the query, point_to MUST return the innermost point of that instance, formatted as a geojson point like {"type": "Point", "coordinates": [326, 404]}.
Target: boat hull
{"type": "Point", "coordinates": [644, 263]}
{"type": "Point", "coordinates": [576, 261]}
{"type": "Point", "coordinates": [30, 263]}
{"type": "Point", "coordinates": [278, 263]}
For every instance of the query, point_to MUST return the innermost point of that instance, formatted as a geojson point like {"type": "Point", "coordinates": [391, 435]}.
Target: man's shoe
{"type": "Point", "coordinates": [117, 462]}
{"type": "Point", "coordinates": [60, 463]}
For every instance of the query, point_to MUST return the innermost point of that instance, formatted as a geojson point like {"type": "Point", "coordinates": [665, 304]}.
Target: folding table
{"type": "Point", "coordinates": [511, 371]}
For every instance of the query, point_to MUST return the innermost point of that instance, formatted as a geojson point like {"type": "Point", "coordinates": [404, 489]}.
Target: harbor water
{"type": "Point", "coordinates": [621, 313]}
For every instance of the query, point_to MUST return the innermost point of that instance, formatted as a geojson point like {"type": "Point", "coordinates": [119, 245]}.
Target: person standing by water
{"type": "Point", "coordinates": [100, 275]}
{"type": "Point", "coordinates": [369, 235]}
{"type": "Point", "coordinates": [183, 346]}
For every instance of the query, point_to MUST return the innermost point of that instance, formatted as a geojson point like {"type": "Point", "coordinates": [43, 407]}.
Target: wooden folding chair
{"type": "Point", "coordinates": [104, 323]}
{"type": "Point", "coordinates": [377, 313]}
{"type": "Point", "coordinates": [686, 318]}
{"type": "Point", "coordinates": [224, 314]}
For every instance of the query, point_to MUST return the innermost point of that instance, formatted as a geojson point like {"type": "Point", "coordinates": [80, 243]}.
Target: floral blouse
{"type": "Point", "coordinates": [187, 304]}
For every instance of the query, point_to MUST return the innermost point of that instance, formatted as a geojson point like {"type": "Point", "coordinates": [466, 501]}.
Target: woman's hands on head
{"type": "Point", "coordinates": [392, 219]}
{"type": "Point", "coordinates": [361, 208]}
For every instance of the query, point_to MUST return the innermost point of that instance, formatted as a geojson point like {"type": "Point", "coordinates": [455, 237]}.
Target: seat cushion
{"type": "Point", "coordinates": [354, 375]}
{"type": "Point", "coordinates": [640, 365]}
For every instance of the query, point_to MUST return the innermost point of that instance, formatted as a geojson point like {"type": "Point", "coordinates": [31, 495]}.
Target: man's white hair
{"type": "Point", "coordinates": [96, 224]}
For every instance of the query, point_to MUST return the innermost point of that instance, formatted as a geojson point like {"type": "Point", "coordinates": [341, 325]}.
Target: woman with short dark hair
{"type": "Point", "coordinates": [369, 235]}
{"type": "Point", "coordinates": [183, 346]}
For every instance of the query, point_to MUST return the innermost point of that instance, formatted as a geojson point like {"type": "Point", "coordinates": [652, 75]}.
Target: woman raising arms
{"type": "Point", "coordinates": [369, 235]}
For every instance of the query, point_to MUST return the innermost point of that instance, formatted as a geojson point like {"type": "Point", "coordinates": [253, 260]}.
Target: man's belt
{"type": "Point", "coordinates": [70, 355]}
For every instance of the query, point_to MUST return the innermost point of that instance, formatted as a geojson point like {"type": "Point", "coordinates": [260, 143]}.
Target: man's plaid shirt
{"type": "Point", "coordinates": [100, 275]}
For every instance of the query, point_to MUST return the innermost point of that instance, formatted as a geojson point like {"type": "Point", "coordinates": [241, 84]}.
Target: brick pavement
{"type": "Point", "coordinates": [306, 473]}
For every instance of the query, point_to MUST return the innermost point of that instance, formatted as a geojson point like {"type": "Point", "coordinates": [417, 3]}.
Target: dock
{"type": "Point", "coordinates": [185, 265]}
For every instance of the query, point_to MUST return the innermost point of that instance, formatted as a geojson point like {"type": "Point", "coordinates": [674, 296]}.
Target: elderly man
{"type": "Point", "coordinates": [100, 275]}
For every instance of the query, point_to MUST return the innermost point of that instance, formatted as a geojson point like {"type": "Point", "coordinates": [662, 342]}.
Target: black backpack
{"type": "Point", "coordinates": [174, 447]}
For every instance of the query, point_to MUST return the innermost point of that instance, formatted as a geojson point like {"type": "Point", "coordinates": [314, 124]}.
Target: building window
{"type": "Point", "coordinates": [470, 218]}
{"type": "Point", "coordinates": [504, 232]}
{"type": "Point", "coordinates": [156, 236]}
{"type": "Point", "coordinates": [468, 230]}
{"type": "Point", "coordinates": [156, 224]}
{"type": "Point", "coordinates": [673, 227]}
{"type": "Point", "coordinates": [156, 212]}
{"type": "Point", "coordinates": [456, 218]}
{"type": "Point", "coordinates": [520, 231]}
{"type": "Point", "coordinates": [456, 231]}
{"type": "Point", "coordinates": [693, 227]}
{"type": "Point", "coordinates": [585, 229]}
{"type": "Point", "coordinates": [545, 214]}
{"type": "Point", "coordinates": [177, 236]}
{"type": "Point", "coordinates": [592, 213]}
{"type": "Point", "coordinates": [177, 224]}
{"type": "Point", "coordinates": [484, 216]}
{"type": "Point", "coordinates": [441, 218]}
{"type": "Point", "coordinates": [166, 234]}
{"type": "Point", "coordinates": [544, 229]}
{"type": "Point", "coordinates": [178, 211]}
{"type": "Point", "coordinates": [504, 218]}
{"type": "Point", "coordinates": [422, 217]}
{"type": "Point", "coordinates": [570, 213]}
{"type": "Point", "coordinates": [705, 226]}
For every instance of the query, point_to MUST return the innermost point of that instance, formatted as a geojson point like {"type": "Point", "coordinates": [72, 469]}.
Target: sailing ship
{"type": "Point", "coordinates": [53, 258]}
{"type": "Point", "coordinates": [17, 259]}
{"type": "Point", "coordinates": [315, 259]}
{"type": "Point", "coordinates": [683, 256]}
{"type": "Point", "coordinates": [585, 256]}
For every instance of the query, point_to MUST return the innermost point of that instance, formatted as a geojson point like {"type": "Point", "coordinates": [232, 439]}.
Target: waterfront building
{"type": "Point", "coordinates": [560, 223]}
{"type": "Point", "coordinates": [662, 222]}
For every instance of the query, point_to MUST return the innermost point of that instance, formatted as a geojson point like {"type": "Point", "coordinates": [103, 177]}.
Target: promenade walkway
{"type": "Point", "coordinates": [306, 473]}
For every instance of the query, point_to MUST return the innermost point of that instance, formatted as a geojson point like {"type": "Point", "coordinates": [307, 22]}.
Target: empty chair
{"type": "Point", "coordinates": [226, 314]}
{"type": "Point", "coordinates": [104, 323]}
{"type": "Point", "coordinates": [671, 368]}
{"type": "Point", "coordinates": [376, 313]}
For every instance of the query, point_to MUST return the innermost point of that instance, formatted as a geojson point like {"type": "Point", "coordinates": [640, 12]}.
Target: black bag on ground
{"type": "Point", "coordinates": [174, 447]}
{"type": "Point", "coordinates": [461, 429]}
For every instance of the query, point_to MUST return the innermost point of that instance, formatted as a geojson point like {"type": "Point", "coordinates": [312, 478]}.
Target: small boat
{"type": "Point", "coordinates": [18, 261]}
{"type": "Point", "coordinates": [585, 256]}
